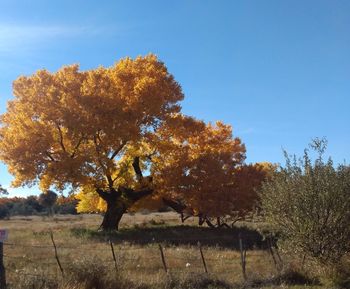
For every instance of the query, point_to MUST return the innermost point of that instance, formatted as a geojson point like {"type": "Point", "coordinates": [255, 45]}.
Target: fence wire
{"type": "Point", "coordinates": [35, 265]}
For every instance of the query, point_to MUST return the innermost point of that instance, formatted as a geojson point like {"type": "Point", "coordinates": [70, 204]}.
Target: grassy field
{"type": "Point", "coordinates": [87, 261]}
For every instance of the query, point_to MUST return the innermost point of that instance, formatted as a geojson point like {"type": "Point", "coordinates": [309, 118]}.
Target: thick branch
{"type": "Point", "coordinates": [61, 137]}
{"type": "Point", "coordinates": [176, 206]}
{"type": "Point", "coordinates": [210, 224]}
{"type": "Point", "coordinates": [104, 168]}
{"type": "Point", "coordinates": [103, 194]}
{"type": "Point", "coordinates": [201, 219]}
{"type": "Point", "coordinates": [107, 196]}
{"type": "Point", "coordinates": [137, 169]}
{"type": "Point", "coordinates": [110, 181]}
{"type": "Point", "coordinates": [184, 218]}
{"type": "Point", "coordinates": [135, 195]}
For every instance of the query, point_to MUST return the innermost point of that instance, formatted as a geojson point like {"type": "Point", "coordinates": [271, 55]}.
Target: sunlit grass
{"type": "Point", "coordinates": [29, 254]}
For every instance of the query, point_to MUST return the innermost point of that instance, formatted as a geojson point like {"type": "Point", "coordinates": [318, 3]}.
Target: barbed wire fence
{"type": "Point", "coordinates": [52, 261]}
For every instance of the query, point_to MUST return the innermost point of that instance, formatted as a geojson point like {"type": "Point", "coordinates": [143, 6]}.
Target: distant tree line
{"type": "Point", "coordinates": [36, 205]}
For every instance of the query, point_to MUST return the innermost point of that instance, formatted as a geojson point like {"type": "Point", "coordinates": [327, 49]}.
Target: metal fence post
{"type": "Point", "coordinates": [2, 267]}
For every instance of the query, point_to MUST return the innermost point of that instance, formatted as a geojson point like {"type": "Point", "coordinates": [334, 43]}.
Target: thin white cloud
{"type": "Point", "coordinates": [19, 37]}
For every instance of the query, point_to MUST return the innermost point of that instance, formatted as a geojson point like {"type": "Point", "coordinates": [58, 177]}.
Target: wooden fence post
{"type": "Point", "coordinates": [203, 260]}
{"type": "Point", "coordinates": [271, 252]}
{"type": "Point", "coordinates": [56, 255]}
{"type": "Point", "coordinates": [279, 263]}
{"type": "Point", "coordinates": [163, 258]}
{"type": "Point", "coordinates": [243, 257]}
{"type": "Point", "coordinates": [2, 267]}
{"type": "Point", "coordinates": [115, 260]}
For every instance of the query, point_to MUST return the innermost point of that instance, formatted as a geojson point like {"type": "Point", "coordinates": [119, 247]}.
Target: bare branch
{"type": "Point", "coordinates": [97, 148]}
{"type": "Point", "coordinates": [61, 137]}
{"type": "Point", "coordinates": [149, 156]}
{"type": "Point", "coordinates": [104, 168]}
{"type": "Point", "coordinates": [116, 152]}
{"type": "Point", "coordinates": [77, 146]}
{"type": "Point", "coordinates": [50, 156]}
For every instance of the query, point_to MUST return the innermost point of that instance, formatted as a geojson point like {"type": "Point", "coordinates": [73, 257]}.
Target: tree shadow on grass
{"type": "Point", "coordinates": [180, 235]}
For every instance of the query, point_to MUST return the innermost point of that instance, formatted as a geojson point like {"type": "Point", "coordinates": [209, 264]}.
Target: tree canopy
{"type": "Point", "coordinates": [48, 200]}
{"type": "Point", "coordinates": [70, 126]}
{"type": "Point", "coordinates": [103, 129]}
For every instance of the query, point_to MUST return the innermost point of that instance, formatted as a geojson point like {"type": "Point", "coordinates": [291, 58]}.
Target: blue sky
{"type": "Point", "coordinates": [277, 71]}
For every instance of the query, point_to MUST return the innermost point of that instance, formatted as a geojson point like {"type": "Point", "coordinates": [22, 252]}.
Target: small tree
{"type": "Point", "coordinates": [3, 191]}
{"type": "Point", "coordinates": [308, 203]}
{"type": "Point", "coordinates": [48, 200]}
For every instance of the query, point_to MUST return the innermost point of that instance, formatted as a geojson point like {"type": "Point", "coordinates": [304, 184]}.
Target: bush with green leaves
{"type": "Point", "coordinates": [308, 203]}
{"type": "Point", "coordinates": [3, 191]}
{"type": "Point", "coordinates": [48, 200]}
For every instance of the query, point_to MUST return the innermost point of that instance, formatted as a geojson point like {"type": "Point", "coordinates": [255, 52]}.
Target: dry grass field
{"type": "Point", "coordinates": [85, 253]}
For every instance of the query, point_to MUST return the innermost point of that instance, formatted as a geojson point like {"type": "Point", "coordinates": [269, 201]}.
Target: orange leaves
{"type": "Point", "coordinates": [86, 128]}
{"type": "Point", "coordinates": [202, 167]}
{"type": "Point", "coordinates": [63, 127]}
{"type": "Point", "coordinates": [247, 180]}
{"type": "Point", "coordinates": [196, 161]}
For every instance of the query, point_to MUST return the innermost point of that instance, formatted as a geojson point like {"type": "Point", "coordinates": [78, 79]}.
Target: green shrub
{"type": "Point", "coordinates": [48, 200]}
{"type": "Point", "coordinates": [308, 203]}
{"type": "Point", "coordinates": [4, 212]}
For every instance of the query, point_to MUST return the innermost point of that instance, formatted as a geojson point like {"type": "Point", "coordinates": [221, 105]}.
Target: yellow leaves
{"type": "Point", "coordinates": [85, 128]}
{"type": "Point", "coordinates": [45, 183]}
{"type": "Point", "coordinates": [89, 201]}
{"type": "Point", "coordinates": [195, 162]}
{"type": "Point", "coordinates": [63, 127]}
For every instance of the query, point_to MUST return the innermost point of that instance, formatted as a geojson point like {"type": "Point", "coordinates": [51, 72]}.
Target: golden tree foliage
{"type": "Point", "coordinates": [70, 126]}
{"type": "Point", "coordinates": [200, 164]}
{"type": "Point", "coordinates": [247, 181]}
{"type": "Point", "coordinates": [90, 202]}
{"type": "Point", "coordinates": [100, 130]}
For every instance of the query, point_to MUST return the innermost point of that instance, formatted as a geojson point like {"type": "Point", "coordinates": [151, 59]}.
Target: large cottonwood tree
{"type": "Point", "coordinates": [100, 130]}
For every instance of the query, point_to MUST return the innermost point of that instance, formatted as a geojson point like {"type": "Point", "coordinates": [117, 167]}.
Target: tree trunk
{"type": "Point", "coordinates": [118, 201]}
{"type": "Point", "coordinates": [114, 213]}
